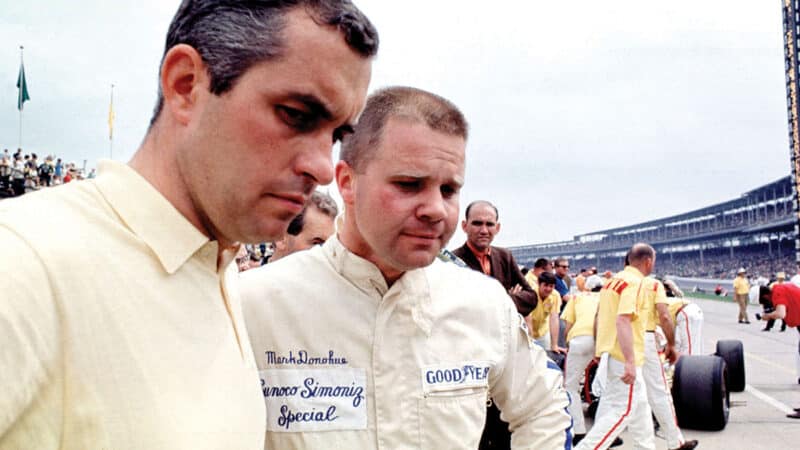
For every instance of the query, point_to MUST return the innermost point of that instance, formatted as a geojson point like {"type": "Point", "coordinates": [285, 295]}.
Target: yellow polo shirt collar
{"type": "Point", "coordinates": [153, 218]}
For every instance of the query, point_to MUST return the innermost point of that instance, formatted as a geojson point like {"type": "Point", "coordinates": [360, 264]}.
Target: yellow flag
{"type": "Point", "coordinates": [111, 117]}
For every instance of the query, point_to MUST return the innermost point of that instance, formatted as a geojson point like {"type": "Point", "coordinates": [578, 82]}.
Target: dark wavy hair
{"type": "Point", "coordinates": [233, 35]}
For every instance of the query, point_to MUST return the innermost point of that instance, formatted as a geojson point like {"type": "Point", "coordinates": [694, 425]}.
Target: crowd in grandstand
{"type": "Point", "coordinates": [721, 265]}
{"type": "Point", "coordinates": [21, 173]}
{"type": "Point", "coordinates": [716, 264]}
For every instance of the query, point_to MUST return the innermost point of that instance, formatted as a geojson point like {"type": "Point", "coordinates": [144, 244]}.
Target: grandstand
{"type": "Point", "coordinates": [756, 230]}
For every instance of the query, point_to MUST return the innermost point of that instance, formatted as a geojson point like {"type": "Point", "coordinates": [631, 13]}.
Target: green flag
{"type": "Point", "coordinates": [22, 96]}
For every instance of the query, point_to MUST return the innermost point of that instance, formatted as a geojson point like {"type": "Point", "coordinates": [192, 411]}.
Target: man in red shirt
{"type": "Point", "coordinates": [785, 298]}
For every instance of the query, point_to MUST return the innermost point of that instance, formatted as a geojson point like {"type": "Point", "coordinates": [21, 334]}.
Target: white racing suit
{"type": "Point", "coordinates": [689, 330]}
{"type": "Point", "coordinates": [348, 362]}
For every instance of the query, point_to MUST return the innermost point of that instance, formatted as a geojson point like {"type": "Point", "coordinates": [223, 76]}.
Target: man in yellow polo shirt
{"type": "Point", "coordinates": [579, 316]}
{"type": "Point", "coordinates": [543, 320]}
{"type": "Point", "coordinates": [740, 290]}
{"type": "Point", "coordinates": [620, 333]}
{"type": "Point", "coordinates": [121, 321]}
{"type": "Point", "coordinates": [539, 266]}
{"type": "Point", "coordinates": [658, 392]}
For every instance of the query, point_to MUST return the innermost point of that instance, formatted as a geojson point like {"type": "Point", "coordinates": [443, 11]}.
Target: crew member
{"type": "Point", "coordinates": [741, 287]}
{"type": "Point", "coordinates": [579, 316]}
{"type": "Point", "coordinates": [539, 266]}
{"type": "Point", "coordinates": [563, 280]}
{"type": "Point", "coordinates": [785, 299]}
{"type": "Point", "coordinates": [780, 278]}
{"type": "Point", "coordinates": [543, 321]}
{"type": "Point", "coordinates": [620, 333]}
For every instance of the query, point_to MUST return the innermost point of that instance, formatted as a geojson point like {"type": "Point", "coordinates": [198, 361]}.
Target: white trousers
{"type": "Point", "coordinates": [658, 393]}
{"type": "Point", "coordinates": [689, 330]}
{"type": "Point", "coordinates": [621, 405]}
{"type": "Point", "coordinates": [581, 351]}
{"type": "Point", "coordinates": [599, 383]}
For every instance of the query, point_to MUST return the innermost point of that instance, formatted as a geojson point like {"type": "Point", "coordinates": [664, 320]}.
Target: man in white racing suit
{"type": "Point", "coordinates": [370, 342]}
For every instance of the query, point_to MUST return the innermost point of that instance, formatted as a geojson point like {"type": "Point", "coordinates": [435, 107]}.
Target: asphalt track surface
{"type": "Point", "coordinates": [757, 415]}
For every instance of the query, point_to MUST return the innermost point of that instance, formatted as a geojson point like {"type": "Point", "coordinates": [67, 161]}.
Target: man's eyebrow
{"type": "Point", "coordinates": [313, 104]}
{"type": "Point", "coordinates": [317, 107]}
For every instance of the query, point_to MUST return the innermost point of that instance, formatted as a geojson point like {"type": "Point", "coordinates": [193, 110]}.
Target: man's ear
{"type": "Point", "coordinates": [345, 180]}
{"type": "Point", "coordinates": [184, 81]}
{"type": "Point", "coordinates": [497, 227]}
{"type": "Point", "coordinates": [464, 225]}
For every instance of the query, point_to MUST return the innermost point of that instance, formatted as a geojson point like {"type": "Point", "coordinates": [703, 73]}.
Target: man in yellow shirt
{"type": "Point", "coordinates": [543, 320]}
{"type": "Point", "coordinates": [579, 316]}
{"type": "Point", "coordinates": [541, 265]}
{"type": "Point", "coordinates": [740, 290]}
{"type": "Point", "coordinates": [620, 333]}
{"type": "Point", "coordinates": [121, 325]}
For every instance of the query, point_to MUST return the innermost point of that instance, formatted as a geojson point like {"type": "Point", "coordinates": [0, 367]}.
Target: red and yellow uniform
{"type": "Point", "coordinates": [624, 405]}
{"type": "Point", "coordinates": [621, 296]}
{"type": "Point", "coordinates": [654, 293]}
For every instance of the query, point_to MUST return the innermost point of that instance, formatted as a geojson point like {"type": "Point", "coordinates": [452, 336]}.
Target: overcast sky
{"type": "Point", "coordinates": [584, 115]}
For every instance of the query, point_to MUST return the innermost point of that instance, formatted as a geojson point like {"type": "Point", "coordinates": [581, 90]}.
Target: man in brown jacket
{"type": "Point", "coordinates": [481, 225]}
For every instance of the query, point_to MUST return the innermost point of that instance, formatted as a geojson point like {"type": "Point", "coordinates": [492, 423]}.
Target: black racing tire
{"type": "Point", "coordinates": [732, 352]}
{"type": "Point", "coordinates": [700, 394]}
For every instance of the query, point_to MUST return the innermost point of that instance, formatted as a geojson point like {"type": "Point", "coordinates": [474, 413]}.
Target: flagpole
{"type": "Point", "coordinates": [111, 124]}
{"type": "Point", "coordinates": [20, 109]}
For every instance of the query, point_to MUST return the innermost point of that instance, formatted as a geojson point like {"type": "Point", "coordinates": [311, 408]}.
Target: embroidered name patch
{"type": "Point", "coordinates": [448, 377]}
{"type": "Point", "coordinates": [315, 399]}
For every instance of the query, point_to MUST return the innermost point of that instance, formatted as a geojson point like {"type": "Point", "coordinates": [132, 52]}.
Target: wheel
{"type": "Point", "coordinates": [733, 353]}
{"type": "Point", "coordinates": [700, 394]}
